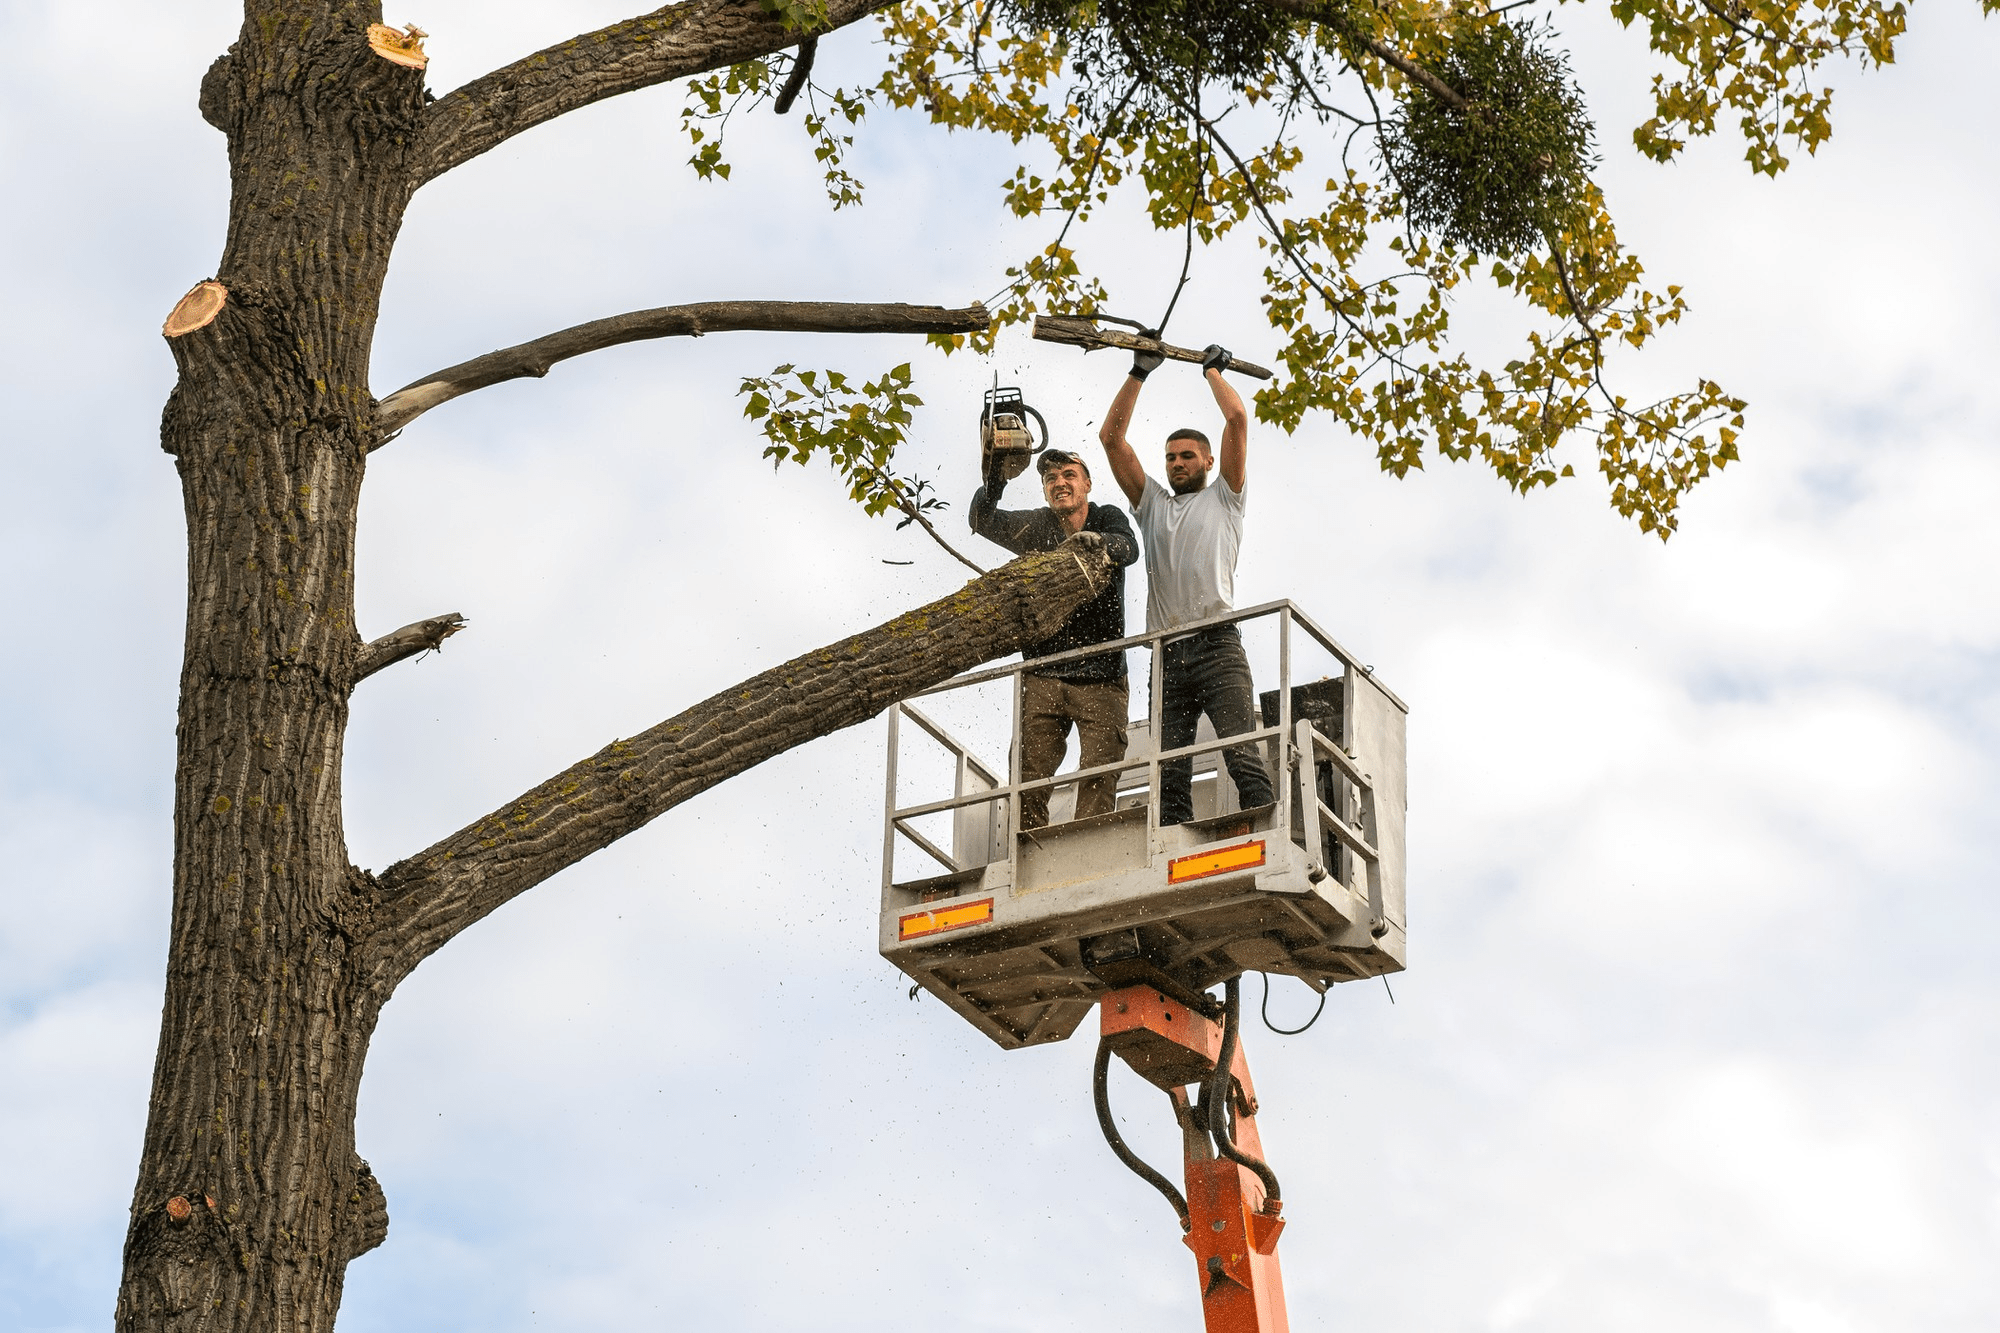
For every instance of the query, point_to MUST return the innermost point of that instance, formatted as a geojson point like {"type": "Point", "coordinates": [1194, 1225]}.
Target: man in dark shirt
{"type": "Point", "coordinates": [1089, 692]}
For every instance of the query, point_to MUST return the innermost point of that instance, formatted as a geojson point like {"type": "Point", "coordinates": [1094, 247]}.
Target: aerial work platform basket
{"type": "Point", "coordinates": [1022, 931]}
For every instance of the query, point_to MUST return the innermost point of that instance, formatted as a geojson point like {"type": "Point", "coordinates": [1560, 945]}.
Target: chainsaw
{"type": "Point", "coordinates": [1005, 442]}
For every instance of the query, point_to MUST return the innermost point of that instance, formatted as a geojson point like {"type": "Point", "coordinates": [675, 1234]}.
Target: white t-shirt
{"type": "Point", "coordinates": [1191, 545]}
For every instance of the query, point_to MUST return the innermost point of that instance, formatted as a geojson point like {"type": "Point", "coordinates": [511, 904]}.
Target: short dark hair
{"type": "Point", "coordinates": [1190, 433]}
{"type": "Point", "coordinates": [1055, 458]}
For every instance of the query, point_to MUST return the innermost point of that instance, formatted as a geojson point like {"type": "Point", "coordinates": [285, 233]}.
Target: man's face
{"type": "Point", "coordinates": [1187, 465]}
{"type": "Point", "coordinates": [1066, 487]}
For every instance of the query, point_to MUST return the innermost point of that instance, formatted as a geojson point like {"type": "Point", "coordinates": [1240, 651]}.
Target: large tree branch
{"type": "Point", "coordinates": [533, 359]}
{"type": "Point", "coordinates": [426, 900]}
{"type": "Point", "coordinates": [670, 43]}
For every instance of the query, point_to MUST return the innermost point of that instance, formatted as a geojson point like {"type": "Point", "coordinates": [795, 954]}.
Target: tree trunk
{"type": "Point", "coordinates": [250, 1199]}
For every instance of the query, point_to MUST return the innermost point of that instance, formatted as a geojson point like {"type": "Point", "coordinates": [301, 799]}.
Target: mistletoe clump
{"type": "Point", "coordinates": [1505, 162]}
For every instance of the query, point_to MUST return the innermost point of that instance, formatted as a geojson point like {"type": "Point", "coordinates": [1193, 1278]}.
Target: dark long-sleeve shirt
{"type": "Point", "coordinates": [1098, 620]}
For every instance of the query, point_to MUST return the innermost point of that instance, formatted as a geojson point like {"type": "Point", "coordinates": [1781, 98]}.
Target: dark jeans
{"type": "Point", "coordinates": [1208, 673]}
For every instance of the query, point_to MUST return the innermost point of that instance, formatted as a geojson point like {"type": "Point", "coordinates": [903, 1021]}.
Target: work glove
{"type": "Point", "coordinates": [1214, 357]}
{"type": "Point", "coordinates": [1145, 363]}
{"type": "Point", "coordinates": [996, 479]}
{"type": "Point", "coordinates": [1089, 541]}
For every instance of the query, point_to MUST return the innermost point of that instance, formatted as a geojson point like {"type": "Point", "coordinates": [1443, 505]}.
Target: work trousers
{"type": "Point", "coordinates": [1208, 673]}
{"type": "Point", "coordinates": [1048, 708]}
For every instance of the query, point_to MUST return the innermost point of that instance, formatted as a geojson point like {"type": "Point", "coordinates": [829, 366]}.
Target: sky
{"type": "Point", "coordinates": [1698, 1024]}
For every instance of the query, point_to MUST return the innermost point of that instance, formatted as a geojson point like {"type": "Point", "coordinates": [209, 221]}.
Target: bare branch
{"type": "Point", "coordinates": [532, 360]}
{"type": "Point", "coordinates": [423, 636]}
{"type": "Point", "coordinates": [795, 82]}
{"type": "Point", "coordinates": [1187, 247]}
{"type": "Point", "coordinates": [434, 895]}
{"type": "Point", "coordinates": [672, 42]}
{"type": "Point", "coordinates": [1411, 70]}
{"type": "Point", "coordinates": [938, 537]}
{"type": "Point", "coordinates": [1576, 306]}
{"type": "Point", "coordinates": [913, 511]}
{"type": "Point", "coordinates": [1387, 54]}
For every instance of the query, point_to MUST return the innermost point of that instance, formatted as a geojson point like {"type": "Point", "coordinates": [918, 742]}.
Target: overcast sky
{"type": "Point", "coordinates": [1698, 1028]}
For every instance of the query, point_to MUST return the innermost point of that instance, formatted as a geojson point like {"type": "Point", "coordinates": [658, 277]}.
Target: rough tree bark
{"type": "Point", "coordinates": [534, 359]}
{"type": "Point", "coordinates": [250, 1200]}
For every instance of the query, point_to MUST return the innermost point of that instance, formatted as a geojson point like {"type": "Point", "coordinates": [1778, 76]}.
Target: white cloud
{"type": "Point", "coordinates": [1701, 997]}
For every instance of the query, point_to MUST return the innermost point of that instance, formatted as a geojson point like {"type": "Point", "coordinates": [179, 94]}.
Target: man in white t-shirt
{"type": "Point", "coordinates": [1192, 533]}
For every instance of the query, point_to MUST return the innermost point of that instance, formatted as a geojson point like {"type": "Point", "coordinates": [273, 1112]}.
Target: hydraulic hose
{"type": "Point", "coordinates": [1215, 1096]}
{"type": "Point", "coordinates": [1101, 1089]}
{"type": "Point", "coordinates": [1288, 1032]}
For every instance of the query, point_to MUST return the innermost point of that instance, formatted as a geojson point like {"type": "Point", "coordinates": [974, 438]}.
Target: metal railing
{"type": "Point", "coordinates": [975, 784]}
{"type": "Point", "coordinates": [1313, 811]}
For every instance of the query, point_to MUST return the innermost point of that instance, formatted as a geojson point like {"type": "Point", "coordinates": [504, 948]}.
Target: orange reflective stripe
{"type": "Point", "coordinates": [1240, 857]}
{"type": "Point", "coordinates": [918, 924]}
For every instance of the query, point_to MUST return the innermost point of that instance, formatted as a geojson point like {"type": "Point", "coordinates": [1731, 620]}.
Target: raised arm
{"type": "Point", "coordinates": [1234, 455]}
{"type": "Point", "coordinates": [1002, 527]}
{"type": "Point", "coordinates": [1125, 466]}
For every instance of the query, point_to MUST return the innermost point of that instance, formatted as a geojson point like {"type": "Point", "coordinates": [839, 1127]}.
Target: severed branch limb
{"type": "Point", "coordinates": [423, 636]}
{"type": "Point", "coordinates": [672, 42]}
{"type": "Point", "coordinates": [1081, 331]}
{"type": "Point", "coordinates": [425, 901]}
{"type": "Point", "coordinates": [533, 359]}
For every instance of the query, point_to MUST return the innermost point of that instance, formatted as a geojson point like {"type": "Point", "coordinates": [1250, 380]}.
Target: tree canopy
{"type": "Point", "coordinates": [1381, 156]}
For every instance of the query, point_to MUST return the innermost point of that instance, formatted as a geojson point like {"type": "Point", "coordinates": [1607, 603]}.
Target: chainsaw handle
{"type": "Point", "coordinates": [1039, 422]}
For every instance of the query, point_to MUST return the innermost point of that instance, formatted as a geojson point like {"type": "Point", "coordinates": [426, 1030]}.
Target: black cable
{"type": "Point", "coordinates": [1265, 1010]}
{"type": "Point", "coordinates": [1101, 1090]}
{"type": "Point", "coordinates": [1215, 1096]}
